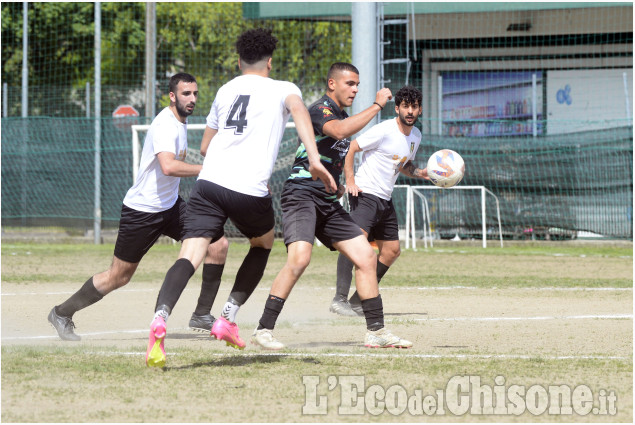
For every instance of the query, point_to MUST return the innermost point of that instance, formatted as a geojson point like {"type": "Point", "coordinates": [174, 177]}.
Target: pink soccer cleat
{"type": "Point", "coordinates": [155, 355]}
{"type": "Point", "coordinates": [228, 332]}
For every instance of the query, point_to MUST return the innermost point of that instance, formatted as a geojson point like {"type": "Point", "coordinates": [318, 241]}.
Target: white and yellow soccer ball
{"type": "Point", "coordinates": [446, 168]}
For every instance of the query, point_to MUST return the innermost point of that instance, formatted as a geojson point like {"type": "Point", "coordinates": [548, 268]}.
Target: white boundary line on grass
{"type": "Point", "coordinates": [495, 319]}
{"type": "Point", "coordinates": [432, 319]}
{"type": "Point", "coordinates": [383, 288]}
{"type": "Point", "coordinates": [396, 354]}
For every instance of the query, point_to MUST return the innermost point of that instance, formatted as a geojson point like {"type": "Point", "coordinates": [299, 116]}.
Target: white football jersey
{"type": "Point", "coordinates": [154, 191]}
{"type": "Point", "coordinates": [385, 151]}
{"type": "Point", "coordinates": [250, 116]}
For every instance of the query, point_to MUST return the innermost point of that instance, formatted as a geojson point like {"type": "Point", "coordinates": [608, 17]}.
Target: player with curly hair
{"type": "Point", "coordinates": [388, 149]}
{"type": "Point", "coordinates": [242, 138]}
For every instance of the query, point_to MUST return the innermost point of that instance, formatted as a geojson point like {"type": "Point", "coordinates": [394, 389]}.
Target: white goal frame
{"type": "Point", "coordinates": [145, 127]}
{"type": "Point", "coordinates": [427, 233]}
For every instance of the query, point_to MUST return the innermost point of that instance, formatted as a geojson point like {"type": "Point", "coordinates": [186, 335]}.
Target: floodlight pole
{"type": "Point", "coordinates": [364, 21]}
{"type": "Point", "coordinates": [25, 107]}
{"type": "Point", "coordinates": [97, 209]}
{"type": "Point", "coordinates": [364, 31]}
{"type": "Point", "coordinates": [25, 59]}
{"type": "Point", "coordinates": [151, 58]}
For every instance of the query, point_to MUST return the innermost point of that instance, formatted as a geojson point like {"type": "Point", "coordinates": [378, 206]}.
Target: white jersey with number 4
{"type": "Point", "coordinates": [250, 116]}
{"type": "Point", "coordinates": [385, 151]}
{"type": "Point", "coordinates": [154, 191]}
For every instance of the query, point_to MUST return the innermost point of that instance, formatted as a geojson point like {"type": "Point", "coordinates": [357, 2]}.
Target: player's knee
{"type": "Point", "coordinates": [120, 281]}
{"type": "Point", "coordinates": [367, 260]}
{"type": "Point", "coordinates": [298, 264]}
{"type": "Point", "coordinates": [223, 244]}
{"type": "Point", "coordinates": [395, 253]}
{"type": "Point", "coordinates": [218, 250]}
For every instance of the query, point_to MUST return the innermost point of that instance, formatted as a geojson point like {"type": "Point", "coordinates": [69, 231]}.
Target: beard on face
{"type": "Point", "coordinates": [404, 121]}
{"type": "Point", "coordinates": [180, 108]}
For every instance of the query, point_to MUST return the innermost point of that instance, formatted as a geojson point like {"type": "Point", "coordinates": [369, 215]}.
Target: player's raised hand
{"type": "Point", "coordinates": [383, 96]}
{"type": "Point", "coordinates": [318, 171]}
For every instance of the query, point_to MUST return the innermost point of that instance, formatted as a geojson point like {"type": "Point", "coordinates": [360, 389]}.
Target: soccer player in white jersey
{"type": "Point", "coordinates": [387, 149]}
{"type": "Point", "coordinates": [244, 129]}
{"type": "Point", "coordinates": [151, 208]}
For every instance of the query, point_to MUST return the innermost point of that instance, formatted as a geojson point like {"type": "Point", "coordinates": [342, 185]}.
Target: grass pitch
{"type": "Point", "coordinates": [528, 315]}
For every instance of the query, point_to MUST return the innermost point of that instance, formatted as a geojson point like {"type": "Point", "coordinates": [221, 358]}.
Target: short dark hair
{"type": "Point", "coordinates": [255, 45]}
{"type": "Point", "coordinates": [339, 67]}
{"type": "Point", "coordinates": [177, 78]}
{"type": "Point", "coordinates": [408, 94]}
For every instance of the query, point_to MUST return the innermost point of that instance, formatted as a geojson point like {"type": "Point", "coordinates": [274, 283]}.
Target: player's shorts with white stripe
{"type": "Point", "coordinates": [210, 205]}
{"type": "Point", "coordinates": [138, 231]}
{"type": "Point", "coordinates": [375, 215]}
{"type": "Point", "coordinates": [307, 215]}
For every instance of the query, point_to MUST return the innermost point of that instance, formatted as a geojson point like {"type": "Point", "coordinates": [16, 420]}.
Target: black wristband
{"type": "Point", "coordinates": [380, 107]}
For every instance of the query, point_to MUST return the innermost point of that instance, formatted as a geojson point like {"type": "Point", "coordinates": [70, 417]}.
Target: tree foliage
{"type": "Point", "coordinates": [197, 38]}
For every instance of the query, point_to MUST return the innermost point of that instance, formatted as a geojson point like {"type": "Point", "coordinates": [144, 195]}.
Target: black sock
{"type": "Point", "coordinates": [87, 295]}
{"type": "Point", "coordinates": [249, 274]}
{"type": "Point", "coordinates": [374, 313]}
{"type": "Point", "coordinates": [209, 288]}
{"type": "Point", "coordinates": [273, 307]}
{"type": "Point", "coordinates": [381, 271]}
{"type": "Point", "coordinates": [175, 282]}
{"type": "Point", "coordinates": [344, 277]}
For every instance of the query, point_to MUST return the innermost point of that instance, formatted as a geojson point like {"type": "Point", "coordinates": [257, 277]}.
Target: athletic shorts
{"type": "Point", "coordinates": [210, 206]}
{"type": "Point", "coordinates": [138, 230]}
{"type": "Point", "coordinates": [306, 215]}
{"type": "Point", "coordinates": [375, 215]}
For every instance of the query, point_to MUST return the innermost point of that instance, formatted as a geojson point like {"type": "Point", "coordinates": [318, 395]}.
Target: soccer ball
{"type": "Point", "coordinates": [446, 168]}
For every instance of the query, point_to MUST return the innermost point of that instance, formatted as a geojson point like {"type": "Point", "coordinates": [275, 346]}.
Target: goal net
{"type": "Point", "coordinates": [456, 213]}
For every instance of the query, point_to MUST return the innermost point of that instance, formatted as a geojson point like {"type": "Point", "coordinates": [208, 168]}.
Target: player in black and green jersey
{"type": "Point", "coordinates": [308, 211]}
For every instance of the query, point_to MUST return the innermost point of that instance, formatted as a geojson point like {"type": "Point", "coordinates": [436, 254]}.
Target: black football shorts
{"type": "Point", "coordinates": [307, 215]}
{"type": "Point", "coordinates": [375, 215]}
{"type": "Point", "coordinates": [210, 205]}
{"type": "Point", "coordinates": [138, 230]}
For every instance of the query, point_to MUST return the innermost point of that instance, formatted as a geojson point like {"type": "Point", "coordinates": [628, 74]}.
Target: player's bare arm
{"type": "Point", "coordinates": [349, 172]}
{"type": "Point", "coordinates": [410, 170]}
{"type": "Point", "coordinates": [170, 166]}
{"type": "Point", "coordinates": [341, 129]}
{"type": "Point", "coordinates": [208, 135]}
{"type": "Point", "coordinates": [304, 128]}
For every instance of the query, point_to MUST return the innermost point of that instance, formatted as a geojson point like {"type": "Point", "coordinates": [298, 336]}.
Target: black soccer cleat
{"type": "Point", "coordinates": [202, 323]}
{"type": "Point", "coordinates": [64, 326]}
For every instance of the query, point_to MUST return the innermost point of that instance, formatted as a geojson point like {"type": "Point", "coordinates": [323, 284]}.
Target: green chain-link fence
{"type": "Point", "coordinates": [537, 101]}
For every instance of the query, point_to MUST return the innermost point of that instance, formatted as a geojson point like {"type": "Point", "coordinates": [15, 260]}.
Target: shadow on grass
{"type": "Point", "coordinates": [241, 360]}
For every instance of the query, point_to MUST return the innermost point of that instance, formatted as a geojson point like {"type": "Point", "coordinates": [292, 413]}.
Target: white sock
{"type": "Point", "coordinates": [161, 313]}
{"type": "Point", "coordinates": [229, 311]}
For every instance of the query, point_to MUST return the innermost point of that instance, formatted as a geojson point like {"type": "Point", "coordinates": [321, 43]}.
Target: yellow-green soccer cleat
{"type": "Point", "coordinates": [155, 355]}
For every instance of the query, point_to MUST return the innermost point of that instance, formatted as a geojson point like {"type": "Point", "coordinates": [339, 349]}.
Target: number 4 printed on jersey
{"type": "Point", "coordinates": [237, 118]}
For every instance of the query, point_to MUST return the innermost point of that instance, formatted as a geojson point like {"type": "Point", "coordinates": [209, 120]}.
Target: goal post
{"type": "Point", "coordinates": [427, 224]}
